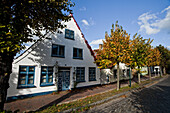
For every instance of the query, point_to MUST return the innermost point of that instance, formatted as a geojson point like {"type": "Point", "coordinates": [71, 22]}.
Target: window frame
{"type": "Point", "coordinates": [93, 73]}
{"type": "Point", "coordinates": [77, 57]}
{"type": "Point", "coordinates": [47, 76]}
{"type": "Point", "coordinates": [70, 32]}
{"type": "Point", "coordinates": [58, 51]}
{"type": "Point", "coordinates": [27, 72]}
{"type": "Point", "coordinates": [80, 76]}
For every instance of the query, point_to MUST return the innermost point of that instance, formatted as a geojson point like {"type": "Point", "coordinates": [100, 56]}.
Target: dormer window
{"type": "Point", "coordinates": [69, 34]}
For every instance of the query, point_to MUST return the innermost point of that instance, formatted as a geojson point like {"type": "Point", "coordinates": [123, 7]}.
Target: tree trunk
{"type": "Point", "coordinates": [160, 70]}
{"type": "Point", "coordinates": [118, 84]}
{"type": "Point", "coordinates": [138, 75]}
{"type": "Point", "coordinates": [164, 70]}
{"type": "Point", "coordinates": [5, 71]}
{"type": "Point", "coordinates": [149, 73]}
{"type": "Point", "coordinates": [130, 77]}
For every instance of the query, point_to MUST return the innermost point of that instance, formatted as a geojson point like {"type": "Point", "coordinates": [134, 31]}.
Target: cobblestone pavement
{"type": "Point", "coordinates": [155, 99]}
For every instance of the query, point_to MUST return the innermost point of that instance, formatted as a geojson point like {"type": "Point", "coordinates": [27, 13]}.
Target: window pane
{"type": "Point", "coordinates": [31, 69]}
{"type": "Point", "coordinates": [43, 76]}
{"type": "Point", "coordinates": [43, 80]}
{"type": "Point", "coordinates": [44, 69]}
{"type": "Point", "coordinates": [55, 50]}
{"type": "Point", "coordinates": [74, 52]}
{"type": "Point", "coordinates": [72, 34]}
{"type": "Point", "coordinates": [67, 35]}
{"type": "Point", "coordinates": [50, 80]}
{"type": "Point", "coordinates": [30, 76]}
{"type": "Point", "coordinates": [30, 81]}
{"type": "Point", "coordinates": [22, 76]}
{"type": "Point", "coordinates": [92, 73]}
{"type": "Point", "coordinates": [80, 53]}
{"type": "Point", "coordinates": [23, 69]}
{"type": "Point", "coordinates": [61, 51]}
{"type": "Point", "coordinates": [22, 82]}
{"type": "Point", "coordinates": [50, 76]}
{"type": "Point", "coordinates": [78, 78]}
{"type": "Point", "coordinates": [50, 69]}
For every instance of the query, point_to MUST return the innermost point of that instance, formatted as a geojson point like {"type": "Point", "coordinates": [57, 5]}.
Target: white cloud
{"type": "Point", "coordinates": [166, 9]}
{"type": "Point", "coordinates": [168, 47]}
{"type": "Point", "coordinates": [97, 42]}
{"type": "Point", "coordinates": [83, 9]}
{"type": "Point", "coordinates": [85, 22]}
{"type": "Point", "coordinates": [150, 23]}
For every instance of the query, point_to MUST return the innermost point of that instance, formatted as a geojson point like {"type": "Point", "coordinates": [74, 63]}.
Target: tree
{"type": "Point", "coordinates": [20, 21]}
{"type": "Point", "coordinates": [165, 57]}
{"type": "Point", "coordinates": [153, 58]}
{"type": "Point", "coordinates": [114, 49]}
{"type": "Point", "coordinates": [138, 52]}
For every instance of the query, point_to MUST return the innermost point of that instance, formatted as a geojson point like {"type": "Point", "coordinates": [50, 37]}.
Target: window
{"type": "Point", "coordinates": [80, 74]}
{"type": "Point", "coordinates": [77, 53]}
{"type": "Point", "coordinates": [58, 50]}
{"type": "Point", "coordinates": [69, 34]}
{"type": "Point", "coordinates": [92, 74]}
{"type": "Point", "coordinates": [46, 75]}
{"type": "Point", "coordinates": [26, 76]}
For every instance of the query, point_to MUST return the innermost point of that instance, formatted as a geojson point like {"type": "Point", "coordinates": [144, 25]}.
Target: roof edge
{"type": "Point", "coordinates": [89, 47]}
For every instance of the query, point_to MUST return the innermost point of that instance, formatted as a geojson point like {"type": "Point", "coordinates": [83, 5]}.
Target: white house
{"type": "Point", "coordinates": [54, 64]}
{"type": "Point", "coordinates": [110, 75]}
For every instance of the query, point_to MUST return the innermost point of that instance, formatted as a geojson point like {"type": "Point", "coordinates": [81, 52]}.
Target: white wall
{"type": "Point", "coordinates": [40, 55]}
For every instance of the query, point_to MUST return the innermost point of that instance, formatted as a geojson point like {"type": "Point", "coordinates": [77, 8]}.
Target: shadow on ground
{"type": "Point", "coordinates": [155, 99]}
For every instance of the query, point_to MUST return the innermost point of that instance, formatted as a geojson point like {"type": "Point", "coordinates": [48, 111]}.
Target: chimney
{"type": "Point", "coordinates": [100, 46]}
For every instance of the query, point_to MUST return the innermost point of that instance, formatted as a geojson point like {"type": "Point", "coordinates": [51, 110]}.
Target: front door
{"type": "Point", "coordinates": [63, 80]}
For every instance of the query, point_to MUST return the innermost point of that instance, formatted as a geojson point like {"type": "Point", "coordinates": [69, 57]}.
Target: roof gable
{"type": "Point", "coordinates": [88, 46]}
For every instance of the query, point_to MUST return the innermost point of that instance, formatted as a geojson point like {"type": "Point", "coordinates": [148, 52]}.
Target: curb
{"type": "Point", "coordinates": [118, 95]}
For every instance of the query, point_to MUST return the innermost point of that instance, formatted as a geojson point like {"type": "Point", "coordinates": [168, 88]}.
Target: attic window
{"type": "Point", "coordinates": [69, 34]}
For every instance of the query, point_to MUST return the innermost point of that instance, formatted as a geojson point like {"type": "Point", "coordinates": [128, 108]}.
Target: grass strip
{"type": "Point", "coordinates": [90, 99]}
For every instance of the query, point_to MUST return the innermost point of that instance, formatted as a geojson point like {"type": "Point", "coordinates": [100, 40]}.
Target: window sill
{"type": "Point", "coordinates": [70, 38]}
{"type": "Point", "coordinates": [58, 56]}
{"type": "Point", "coordinates": [47, 84]}
{"type": "Point", "coordinates": [28, 86]}
{"type": "Point", "coordinates": [80, 81]}
{"type": "Point", "coordinates": [78, 58]}
{"type": "Point", "coordinates": [92, 80]}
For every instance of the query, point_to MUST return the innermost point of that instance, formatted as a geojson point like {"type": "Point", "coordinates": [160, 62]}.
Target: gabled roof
{"type": "Point", "coordinates": [88, 46]}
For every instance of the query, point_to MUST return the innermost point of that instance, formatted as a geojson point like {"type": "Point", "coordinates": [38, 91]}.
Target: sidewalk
{"type": "Point", "coordinates": [40, 102]}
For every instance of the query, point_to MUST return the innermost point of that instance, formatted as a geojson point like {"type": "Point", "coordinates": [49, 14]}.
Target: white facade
{"type": "Point", "coordinates": [40, 54]}
{"type": "Point", "coordinates": [110, 75]}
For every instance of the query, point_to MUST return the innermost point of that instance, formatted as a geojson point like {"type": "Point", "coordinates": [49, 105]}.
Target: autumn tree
{"type": "Point", "coordinates": [114, 49]}
{"type": "Point", "coordinates": [165, 58]}
{"type": "Point", "coordinates": [153, 58]}
{"type": "Point", "coordinates": [138, 52]}
{"type": "Point", "coordinates": [20, 21]}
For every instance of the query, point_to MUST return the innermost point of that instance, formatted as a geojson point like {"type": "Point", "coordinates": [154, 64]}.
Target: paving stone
{"type": "Point", "coordinates": [155, 99]}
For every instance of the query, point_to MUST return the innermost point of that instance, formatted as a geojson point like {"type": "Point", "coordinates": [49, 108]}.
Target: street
{"type": "Point", "coordinates": [155, 99]}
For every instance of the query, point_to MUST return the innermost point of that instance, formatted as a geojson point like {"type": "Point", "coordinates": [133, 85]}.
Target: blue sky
{"type": "Point", "coordinates": [150, 18]}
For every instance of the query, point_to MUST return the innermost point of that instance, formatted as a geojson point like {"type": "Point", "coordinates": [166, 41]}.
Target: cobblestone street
{"type": "Point", "coordinates": [155, 99]}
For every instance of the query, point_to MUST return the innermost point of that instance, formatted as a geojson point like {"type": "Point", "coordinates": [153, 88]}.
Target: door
{"type": "Point", "coordinates": [63, 80]}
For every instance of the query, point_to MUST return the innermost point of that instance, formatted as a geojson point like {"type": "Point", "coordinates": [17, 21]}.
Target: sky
{"type": "Point", "coordinates": [149, 18]}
